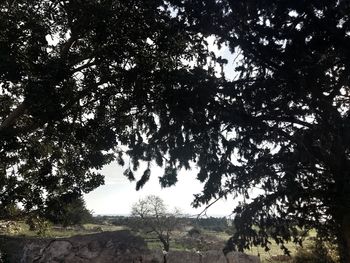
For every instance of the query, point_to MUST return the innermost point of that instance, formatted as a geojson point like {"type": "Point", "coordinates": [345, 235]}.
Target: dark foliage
{"type": "Point", "coordinates": [284, 119]}
{"type": "Point", "coordinates": [78, 80]}
{"type": "Point", "coordinates": [67, 211]}
{"type": "Point", "coordinates": [10, 212]}
{"type": "Point", "coordinates": [139, 74]}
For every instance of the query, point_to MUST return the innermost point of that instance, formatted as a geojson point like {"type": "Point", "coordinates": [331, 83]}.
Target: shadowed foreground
{"type": "Point", "coordinates": [119, 246]}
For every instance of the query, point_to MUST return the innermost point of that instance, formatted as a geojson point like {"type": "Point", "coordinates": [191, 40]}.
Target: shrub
{"type": "Point", "coordinates": [10, 211]}
{"type": "Point", "coordinates": [194, 231]}
{"type": "Point", "coordinates": [38, 224]}
{"type": "Point", "coordinates": [318, 252]}
{"type": "Point", "coordinates": [44, 227]}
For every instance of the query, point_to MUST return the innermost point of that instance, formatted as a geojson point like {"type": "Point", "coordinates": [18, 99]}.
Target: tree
{"type": "Point", "coordinates": [154, 218]}
{"type": "Point", "coordinates": [284, 118]}
{"type": "Point", "coordinates": [77, 80]}
{"type": "Point", "coordinates": [67, 210]}
{"type": "Point", "coordinates": [139, 74]}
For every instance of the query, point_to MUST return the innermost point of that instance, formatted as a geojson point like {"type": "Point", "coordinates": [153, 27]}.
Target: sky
{"type": "Point", "coordinates": [118, 194]}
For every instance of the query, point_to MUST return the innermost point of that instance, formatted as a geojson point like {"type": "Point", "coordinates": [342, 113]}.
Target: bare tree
{"type": "Point", "coordinates": [154, 218]}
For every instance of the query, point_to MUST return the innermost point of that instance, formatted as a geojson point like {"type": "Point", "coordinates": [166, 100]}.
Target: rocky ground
{"type": "Point", "coordinates": [119, 246]}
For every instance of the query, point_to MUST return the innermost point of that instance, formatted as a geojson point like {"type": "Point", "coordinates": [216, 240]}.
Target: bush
{"type": "Point", "coordinates": [9, 227]}
{"type": "Point", "coordinates": [38, 224]}
{"type": "Point", "coordinates": [10, 212]}
{"type": "Point", "coordinates": [44, 227]}
{"type": "Point", "coordinates": [194, 231]}
{"type": "Point", "coordinates": [318, 252]}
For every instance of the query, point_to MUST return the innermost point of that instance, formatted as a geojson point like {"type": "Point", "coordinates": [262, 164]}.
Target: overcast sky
{"type": "Point", "coordinates": [118, 194]}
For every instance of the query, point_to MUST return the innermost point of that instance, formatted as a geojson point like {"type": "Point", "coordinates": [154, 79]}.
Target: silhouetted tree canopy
{"type": "Point", "coordinates": [138, 74]}
{"type": "Point", "coordinates": [284, 119]}
{"type": "Point", "coordinates": [79, 79]}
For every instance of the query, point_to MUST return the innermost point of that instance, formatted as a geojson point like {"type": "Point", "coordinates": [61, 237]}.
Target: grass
{"type": "Point", "coordinates": [266, 256]}
{"type": "Point", "coordinates": [275, 250]}
{"type": "Point", "coordinates": [157, 245]}
{"type": "Point", "coordinates": [55, 231]}
{"type": "Point", "coordinates": [104, 228]}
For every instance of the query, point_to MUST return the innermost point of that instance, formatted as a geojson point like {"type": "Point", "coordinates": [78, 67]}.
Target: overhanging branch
{"type": "Point", "coordinates": [14, 115]}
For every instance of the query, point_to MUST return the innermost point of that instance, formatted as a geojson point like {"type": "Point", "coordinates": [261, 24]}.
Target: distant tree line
{"type": "Point", "coordinates": [219, 224]}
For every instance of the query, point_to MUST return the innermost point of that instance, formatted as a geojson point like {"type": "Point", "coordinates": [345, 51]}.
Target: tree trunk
{"type": "Point", "coordinates": [166, 247]}
{"type": "Point", "coordinates": [165, 243]}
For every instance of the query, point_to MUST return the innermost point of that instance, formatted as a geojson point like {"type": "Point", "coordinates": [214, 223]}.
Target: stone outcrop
{"type": "Point", "coordinates": [120, 246]}
{"type": "Point", "coordinates": [108, 247]}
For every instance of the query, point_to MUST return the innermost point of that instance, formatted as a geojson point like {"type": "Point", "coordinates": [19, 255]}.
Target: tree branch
{"type": "Point", "coordinates": [67, 46]}
{"type": "Point", "coordinates": [14, 115]}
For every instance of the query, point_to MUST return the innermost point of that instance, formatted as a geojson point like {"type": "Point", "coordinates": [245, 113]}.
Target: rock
{"type": "Point", "coordinates": [55, 251]}
{"type": "Point", "coordinates": [120, 246]}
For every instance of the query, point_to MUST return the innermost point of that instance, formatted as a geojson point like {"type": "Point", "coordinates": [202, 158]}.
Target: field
{"type": "Point", "coordinates": [181, 240]}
